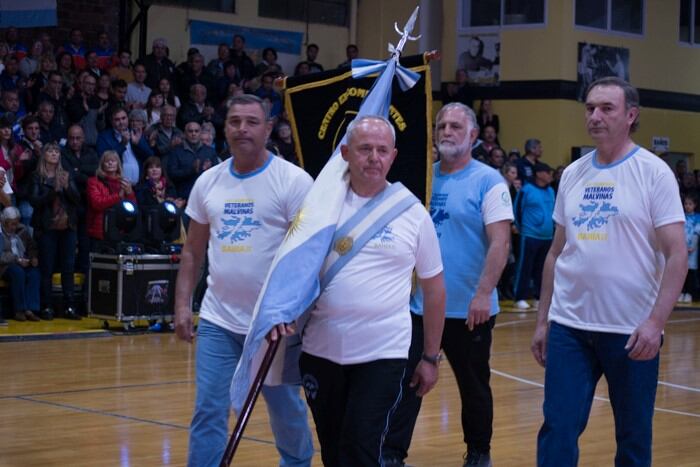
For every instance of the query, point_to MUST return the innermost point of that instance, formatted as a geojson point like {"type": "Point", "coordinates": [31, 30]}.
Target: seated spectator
{"type": "Point", "coordinates": [92, 64]}
{"type": "Point", "coordinates": [208, 135]}
{"type": "Point", "coordinates": [138, 120]}
{"type": "Point", "coordinates": [267, 92]}
{"type": "Point", "coordinates": [137, 92]}
{"type": "Point", "coordinates": [268, 64]}
{"type": "Point", "coordinates": [282, 140]}
{"type": "Point", "coordinates": [302, 69]}
{"type": "Point", "coordinates": [457, 91]}
{"type": "Point", "coordinates": [164, 135]}
{"type": "Point", "coordinates": [47, 43]}
{"type": "Point", "coordinates": [75, 48]}
{"type": "Point", "coordinates": [198, 109]}
{"type": "Point", "coordinates": [351, 53]}
{"type": "Point", "coordinates": [117, 97]}
{"type": "Point", "coordinates": [55, 199]}
{"type": "Point", "coordinates": [11, 107]}
{"type": "Point", "coordinates": [104, 88]}
{"type": "Point", "coordinates": [12, 40]}
{"type": "Point", "coordinates": [130, 145]}
{"type": "Point", "coordinates": [105, 52]}
{"type": "Point", "coordinates": [123, 69]}
{"type": "Point", "coordinates": [195, 73]}
{"type": "Point", "coordinates": [311, 55]}
{"type": "Point", "coordinates": [486, 117]}
{"type": "Point", "coordinates": [244, 64]}
{"type": "Point", "coordinates": [497, 157]}
{"type": "Point", "coordinates": [10, 77]}
{"type": "Point", "coordinates": [19, 263]}
{"type": "Point", "coordinates": [158, 65]}
{"type": "Point", "coordinates": [64, 62]}
{"type": "Point", "coordinates": [49, 130]}
{"type": "Point", "coordinates": [7, 143]}
{"type": "Point", "coordinates": [229, 77]}
{"type": "Point", "coordinates": [216, 66]}
{"type": "Point", "coordinates": [165, 87]}
{"type": "Point", "coordinates": [153, 108]}
{"type": "Point", "coordinates": [107, 188]}
{"type": "Point", "coordinates": [53, 92]}
{"type": "Point", "coordinates": [155, 187]}
{"type": "Point", "coordinates": [80, 160]}
{"type": "Point", "coordinates": [30, 63]}
{"type": "Point", "coordinates": [490, 141]}
{"type": "Point", "coordinates": [187, 161]}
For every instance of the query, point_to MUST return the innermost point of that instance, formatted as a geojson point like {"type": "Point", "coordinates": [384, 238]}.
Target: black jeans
{"type": "Point", "coordinates": [351, 406]}
{"type": "Point", "coordinates": [52, 244]}
{"type": "Point", "coordinates": [468, 353]}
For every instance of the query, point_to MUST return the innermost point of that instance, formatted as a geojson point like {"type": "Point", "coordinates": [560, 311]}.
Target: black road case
{"type": "Point", "coordinates": [129, 287]}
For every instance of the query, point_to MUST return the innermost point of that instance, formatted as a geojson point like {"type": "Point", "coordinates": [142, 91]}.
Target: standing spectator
{"type": "Point", "coordinates": [497, 157]}
{"type": "Point", "coordinates": [11, 107]}
{"type": "Point", "coordinates": [469, 206]}
{"type": "Point", "coordinates": [155, 187]}
{"type": "Point", "coordinates": [229, 77]}
{"type": "Point", "coordinates": [30, 64]}
{"type": "Point", "coordinates": [302, 68]}
{"type": "Point", "coordinates": [198, 108]}
{"type": "Point", "coordinates": [487, 117]}
{"type": "Point", "coordinates": [216, 66]}
{"type": "Point", "coordinates": [10, 78]}
{"type": "Point", "coordinates": [244, 64]}
{"type": "Point", "coordinates": [282, 139]}
{"type": "Point", "coordinates": [610, 282]}
{"type": "Point", "coordinates": [81, 162]}
{"type": "Point", "coordinates": [187, 161]}
{"type": "Point", "coordinates": [107, 188]}
{"type": "Point", "coordinates": [153, 107]}
{"type": "Point", "coordinates": [75, 48]}
{"type": "Point", "coordinates": [195, 73]}
{"type": "Point", "coordinates": [123, 69]}
{"type": "Point", "coordinates": [117, 97]}
{"type": "Point", "coordinates": [165, 86]}
{"type": "Point", "coordinates": [268, 64]}
{"type": "Point", "coordinates": [104, 88]}
{"type": "Point", "coordinates": [506, 284]}
{"type": "Point", "coordinates": [4, 53]}
{"type": "Point", "coordinates": [7, 143]}
{"type": "Point", "coordinates": [55, 199]}
{"type": "Point", "coordinates": [692, 231]}
{"type": "Point", "coordinates": [47, 43]}
{"type": "Point", "coordinates": [86, 109]}
{"type": "Point", "coordinates": [158, 65]}
{"type": "Point", "coordinates": [19, 262]}
{"type": "Point", "coordinates": [49, 130]}
{"type": "Point", "coordinates": [208, 135]}
{"type": "Point", "coordinates": [92, 64]}
{"type": "Point", "coordinates": [25, 157]}
{"type": "Point", "coordinates": [130, 145]}
{"type": "Point", "coordinates": [104, 52]}
{"type": "Point", "coordinates": [164, 135]}
{"type": "Point", "coordinates": [533, 210]}
{"type": "Point", "coordinates": [311, 55]}
{"type": "Point", "coordinates": [38, 81]}
{"type": "Point", "coordinates": [351, 53]}
{"type": "Point", "coordinates": [526, 164]}
{"type": "Point", "coordinates": [267, 92]}
{"type": "Point", "coordinates": [137, 92]}
{"type": "Point", "coordinates": [481, 151]}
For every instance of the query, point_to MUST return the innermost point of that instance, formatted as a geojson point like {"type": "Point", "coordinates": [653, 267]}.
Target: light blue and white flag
{"type": "Point", "coordinates": [292, 283]}
{"type": "Point", "coordinates": [27, 13]}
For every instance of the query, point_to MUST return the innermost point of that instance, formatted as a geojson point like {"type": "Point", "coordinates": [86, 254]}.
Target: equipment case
{"type": "Point", "coordinates": [129, 287]}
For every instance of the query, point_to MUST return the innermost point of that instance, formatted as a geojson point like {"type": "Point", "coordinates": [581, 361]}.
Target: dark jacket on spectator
{"type": "Point", "coordinates": [43, 196]}
{"type": "Point", "coordinates": [190, 113]}
{"type": "Point", "coordinates": [146, 197]}
{"type": "Point", "coordinates": [163, 146]}
{"type": "Point", "coordinates": [182, 168]}
{"type": "Point", "coordinates": [80, 168]}
{"type": "Point", "coordinates": [156, 71]}
{"type": "Point", "coordinates": [107, 139]}
{"type": "Point", "coordinates": [30, 248]}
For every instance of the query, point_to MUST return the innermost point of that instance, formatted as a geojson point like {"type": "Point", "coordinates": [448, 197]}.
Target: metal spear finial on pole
{"type": "Point", "coordinates": [405, 34]}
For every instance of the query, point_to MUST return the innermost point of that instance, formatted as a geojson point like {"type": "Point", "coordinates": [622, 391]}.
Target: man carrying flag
{"type": "Point", "coordinates": [355, 342]}
{"type": "Point", "coordinates": [241, 208]}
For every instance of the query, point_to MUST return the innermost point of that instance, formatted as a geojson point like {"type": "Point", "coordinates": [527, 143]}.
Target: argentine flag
{"type": "Point", "coordinates": [292, 283]}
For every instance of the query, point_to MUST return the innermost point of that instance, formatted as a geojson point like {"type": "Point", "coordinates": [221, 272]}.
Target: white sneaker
{"type": "Point", "coordinates": [522, 305]}
{"type": "Point", "coordinates": [687, 298]}
{"type": "Point", "coordinates": [681, 297]}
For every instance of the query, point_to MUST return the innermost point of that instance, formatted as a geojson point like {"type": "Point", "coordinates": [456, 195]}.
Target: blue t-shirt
{"type": "Point", "coordinates": [459, 205]}
{"type": "Point", "coordinates": [533, 208]}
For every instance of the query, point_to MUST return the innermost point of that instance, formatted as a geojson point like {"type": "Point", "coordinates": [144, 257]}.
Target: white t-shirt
{"type": "Point", "coordinates": [248, 216]}
{"type": "Point", "coordinates": [607, 276]}
{"type": "Point", "coordinates": [363, 314]}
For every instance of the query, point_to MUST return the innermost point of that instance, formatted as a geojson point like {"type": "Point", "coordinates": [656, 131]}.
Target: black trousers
{"type": "Point", "coordinates": [533, 253]}
{"type": "Point", "coordinates": [351, 406]}
{"type": "Point", "coordinates": [468, 353]}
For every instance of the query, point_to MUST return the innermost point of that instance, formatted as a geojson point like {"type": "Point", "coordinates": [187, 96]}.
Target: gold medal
{"type": "Point", "coordinates": [343, 245]}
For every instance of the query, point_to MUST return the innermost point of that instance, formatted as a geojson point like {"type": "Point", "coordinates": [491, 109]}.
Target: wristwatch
{"type": "Point", "coordinates": [432, 359]}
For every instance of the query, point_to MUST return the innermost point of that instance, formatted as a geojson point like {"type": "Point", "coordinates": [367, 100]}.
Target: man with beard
{"type": "Point", "coordinates": [470, 205]}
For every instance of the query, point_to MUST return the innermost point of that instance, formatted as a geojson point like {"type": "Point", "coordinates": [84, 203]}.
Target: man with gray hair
{"type": "Point", "coordinates": [355, 345]}
{"type": "Point", "coordinates": [470, 205]}
{"type": "Point", "coordinates": [526, 164]}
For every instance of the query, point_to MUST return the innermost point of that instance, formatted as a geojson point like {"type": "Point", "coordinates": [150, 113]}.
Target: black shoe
{"type": "Point", "coordinates": [477, 459]}
{"type": "Point", "coordinates": [70, 313]}
{"type": "Point", "coordinates": [20, 316]}
{"type": "Point", "coordinates": [393, 462]}
{"type": "Point", "coordinates": [46, 314]}
{"type": "Point", "coordinates": [31, 316]}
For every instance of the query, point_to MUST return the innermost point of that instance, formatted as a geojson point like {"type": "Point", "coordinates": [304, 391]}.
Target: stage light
{"type": "Point", "coordinates": [162, 224]}
{"type": "Point", "coordinates": [122, 222]}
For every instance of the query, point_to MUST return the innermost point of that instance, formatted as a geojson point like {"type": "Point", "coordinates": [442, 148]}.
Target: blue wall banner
{"type": "Point", "coordinates": [27, 13]}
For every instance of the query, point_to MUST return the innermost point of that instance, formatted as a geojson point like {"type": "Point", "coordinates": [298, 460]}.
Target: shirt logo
{"type": "Point", "coordinates": [437, 210]}
{"type": "Point", "coordinates": [595, 212]}
{"type": "Point", "coordinates": [238, 223]}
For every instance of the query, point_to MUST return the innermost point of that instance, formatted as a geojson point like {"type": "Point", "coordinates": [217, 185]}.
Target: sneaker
{"type": "Point", "coordinates": [20, 316]}
{"type": "Point", "coordinates": [687, 298]}
{"type": "Point", "coordinates": [155, 327]}
{"type": "Point", "coordinates": [31, 316]}
{"type": "Point", "coordinates": [46, 314]}
{"type": "Point", "coordinates": [477, 459]}
{"type": "Point", "coordinates": [522, 305]}
{"type": "Point", "coordinates": [70, 313]}
{"type": "Point", "coordinates": [681, 297]}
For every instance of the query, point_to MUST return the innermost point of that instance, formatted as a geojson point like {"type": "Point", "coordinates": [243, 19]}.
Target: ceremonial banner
{"type": "Point", "coordinates": [321, 105]}
{"type": "Point", "coordinates": [27, 13]}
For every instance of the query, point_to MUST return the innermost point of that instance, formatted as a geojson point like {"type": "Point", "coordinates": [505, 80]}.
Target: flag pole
{"type": "Point", "coordinates": [247, 409]}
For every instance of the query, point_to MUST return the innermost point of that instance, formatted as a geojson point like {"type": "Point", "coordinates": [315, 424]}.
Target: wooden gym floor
{"type": "Point", "coordinates": [109, 399]}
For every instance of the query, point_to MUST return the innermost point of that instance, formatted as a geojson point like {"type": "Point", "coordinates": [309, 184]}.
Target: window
{"type": "Point", "coordinates": [496, 13]}
{"type": "Point", "coordinates": [611, 15]}
{"type": "Point", "coordinates": [225, 6]}
{"type": "Point", "coordinates": [689, 23]}
{"type": "Point", "coordinates": [333, 12]}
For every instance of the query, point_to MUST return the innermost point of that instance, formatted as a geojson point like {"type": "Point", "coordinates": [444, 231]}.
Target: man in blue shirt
{"type": "Point", "coordinates": [533, 218]}
{"type": "Point", "coordinates": [472, 210]}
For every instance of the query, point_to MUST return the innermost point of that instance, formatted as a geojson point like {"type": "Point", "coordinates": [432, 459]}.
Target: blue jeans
{"type": "Point", "coordinates": [576, 360]}
{"type": "Point", "coordinates": [217, 354]}
{"type": "Point", "coordinates": [53, 243]}
{"type": "Point", "coordinates": [24, 287]}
